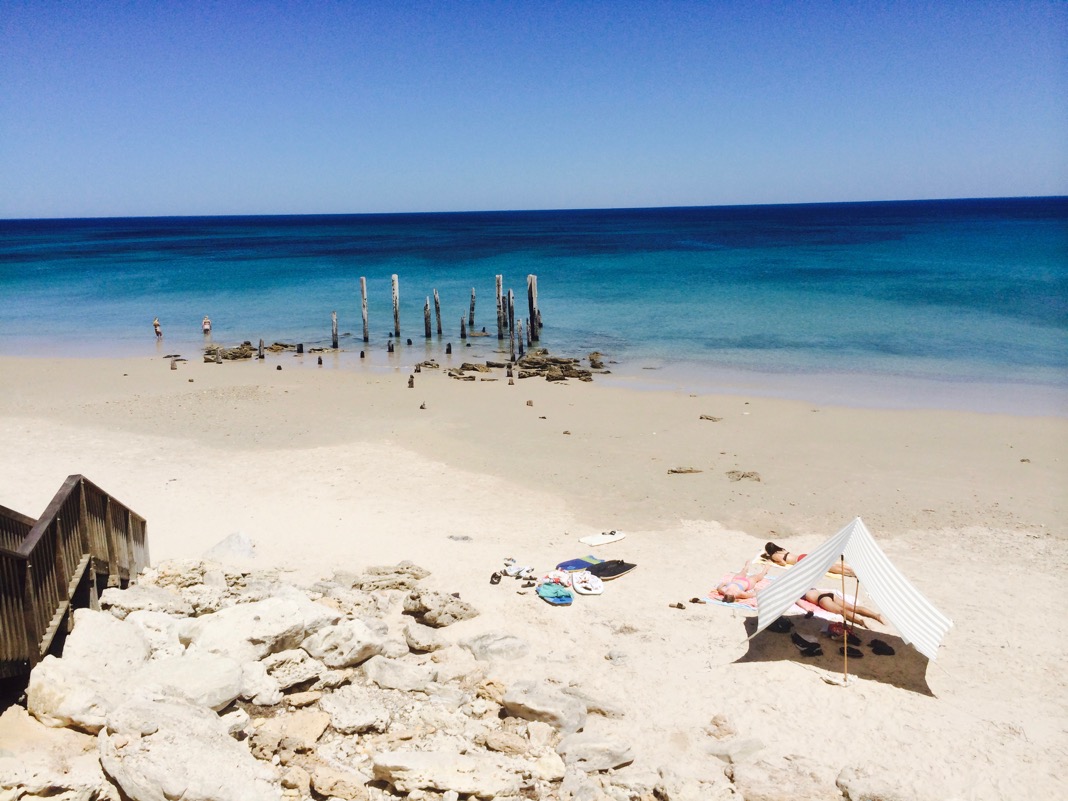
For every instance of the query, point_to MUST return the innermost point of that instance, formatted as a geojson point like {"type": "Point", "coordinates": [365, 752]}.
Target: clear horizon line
{"type": "Point", "coordinates": [534, 210]}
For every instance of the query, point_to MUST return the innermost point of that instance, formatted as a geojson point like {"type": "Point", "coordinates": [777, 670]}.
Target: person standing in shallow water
{"type": "Point", "coordinates": [156, 327]}
{"type": "Point", "coordinates": [206, 325]}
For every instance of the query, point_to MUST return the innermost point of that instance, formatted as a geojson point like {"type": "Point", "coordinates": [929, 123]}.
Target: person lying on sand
{"type": "Point", "coordinates": [741, 584]}
{"type": "Point", "coordinates": [784, 558]}
{"type": "Point", "coordinates": [833, 602]}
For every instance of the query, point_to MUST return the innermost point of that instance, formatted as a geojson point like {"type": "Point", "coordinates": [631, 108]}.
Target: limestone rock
{"type": "Point", "coordinates": [237, 549]}
{"type": "Point", "coordinates": [300, 730]}
{"type": "Point", "coordinates": [442, 771]}
{"type": "Point", "coordinates": [293, 667]}
{"type": "Point", "coordinates": [860, 784]}
{"type": "Point", "coordinates": [62, 693]}
{"type": "Point", "coordinates": [532, 701]}
{"type": "Point", "coordinates": [355, 709]}
{"type": "Point", "coordinates": [257, 686]}
{"type": "Point", "coordinates": [121, 603]}
{"type": "Point", "coordinates": [101, 643]}
{"type": "Point", "coordinates": [348, 643]}
{"type": "Point", "coordinates": [248, 632]}
{"type": "Point", "coordinates": [424, 639]}
{"type": "Point", "coordinates": [597, 704]}
{"type": "Point", "coordinates": [548, 767]}
{"type": "Point", "coordinates": [160, 631]}
{"type": "Point", "coordinates": [506, 742]}
{"type": "Point", "coordinates": [394, 674]}
{"type": "Point", "coordinates": [437, 609]}
{"type": "Point", "coordinates": [492, 646]}
{"type": "Point", "coordinates": [333, 783]}
{"type": "Point", "coordinates": [37, 760]}
{"type": "Point", "coordinates": [593, 752]}
{"type": "Point", "coordinates": [792, 777]}
{"type": "Point", "coordinates": [162, 749]}
{"type": "Point", "coordinates": [401, 576]}
{"type": "Point", "coordinates": [204, 679]}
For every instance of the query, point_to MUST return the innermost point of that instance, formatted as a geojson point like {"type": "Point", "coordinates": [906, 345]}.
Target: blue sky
{"type": "Point", "coordinates": [158, 108]}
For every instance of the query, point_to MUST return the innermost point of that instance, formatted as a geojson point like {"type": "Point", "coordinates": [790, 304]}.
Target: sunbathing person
{"type": "Point", "coordinates": [784, 558]}
{"type": "Point", "coordinates": [741, 584]}
{"type": "Point", "coordinates": [833, 602]}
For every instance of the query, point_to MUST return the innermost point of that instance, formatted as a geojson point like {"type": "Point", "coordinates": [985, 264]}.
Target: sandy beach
{"type": "Point", "coordinates": [328, 469]}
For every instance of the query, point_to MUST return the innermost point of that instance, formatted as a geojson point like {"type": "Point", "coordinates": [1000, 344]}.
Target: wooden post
{"type": "Point", "coordinates": [520, 338]}
{"type": "Point", "coordinates": [426, 317]}
{"type": "Point", "coordinates": [532, 303]}
{"type": "Point", "coordinates": [448, 348]}
{"type": "Point", "coordinates": [437, 310]}
{"type": "Point", "coordinates": [363, 304]}
{"type": "Point", "coordinates": [389, 346]}
{"type": "Point", "coordinates": [260, 353]}
{"type": "Point", "coordinates": [530, 333]}
{"type": "Point", "coordinates": [396, 307]}
{"type": "Point", "coordinates": [511, 323]}
{"type": "Point", "coordinates": [500, 309]}
{"type": "Point", "coordinates": [471, 315]}
{"type": "Point", "coordinates": [463, 329]}
{"type": "Point", "coordinates": [333, 329]}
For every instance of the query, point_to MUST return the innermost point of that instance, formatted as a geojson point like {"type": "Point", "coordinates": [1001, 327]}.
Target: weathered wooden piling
{"type": "Point", "coordinates": [426, 317]}
{"type": "Point", "coordinates": [463, 328]}
{"type": "Point", "coordinates": [396, 307]}
{"type": "Point", "coordinates": [411, 382]}
{"type": "Point", "coordinates": [448, 348]}
{"type": "Point", "coordinates": [300, 347]}
{"type": "Point", "coordinates": [530, 333]}
{"type": "Point", "coordinates": [259, 354]}
{"type": "Point", "coordinates": [471, 314]}
{"type": "Point", "coordinates": [532, 304]}
{"type": "Point", "coordinates": [363, 304]}
{"type": "Point", "coordinates": [333, 329]}
{"type": "Point", "coordinates": [389, 346]}
{"type": "Point", "coordinates": [437, 310]}
{"type": "Point", "coordinates": [520, 338]}
{"type": "Point", "coordinates": [500, 308]}
{"type": "Point", "coordinates": [511, 323]}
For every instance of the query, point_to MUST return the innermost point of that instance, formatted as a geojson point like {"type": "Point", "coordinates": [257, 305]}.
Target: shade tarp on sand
{"type": "Point", "coordinates": [916, 619]}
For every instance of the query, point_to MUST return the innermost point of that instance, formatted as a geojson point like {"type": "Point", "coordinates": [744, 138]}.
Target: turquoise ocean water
{"type": "Point", "coordinates": [954, 304]}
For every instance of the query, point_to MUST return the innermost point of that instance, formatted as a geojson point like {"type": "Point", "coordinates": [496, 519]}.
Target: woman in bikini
{"type": "Point", "coordinates": [741, 584]}
{"type": "Point", "coordinates": [833, 602]}
{"type": "Point", "coordinates": [784, 558]}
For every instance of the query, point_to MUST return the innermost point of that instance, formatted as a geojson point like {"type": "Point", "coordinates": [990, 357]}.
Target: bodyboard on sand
{"type": "Point", "coordinates": [612, 569]}
{"type": "Point", "coordinates": [602, 538]}
{"type": "Point", "coordinates": [582, 563]}
{"type": "Point", "coordinates": [585, 583]}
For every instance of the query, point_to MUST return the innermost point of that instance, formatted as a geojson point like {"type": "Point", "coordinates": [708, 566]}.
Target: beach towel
{"type": "Point", "coordinates": [554, 594]}
{"type": "Point", "coordinates": [745, 604]}
{"type": "Point", "coordinates": [749, 605]}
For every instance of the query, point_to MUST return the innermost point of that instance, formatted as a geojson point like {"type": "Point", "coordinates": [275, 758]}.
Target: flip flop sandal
{"type": "Point", "coordinates": [677, 606]}
{"type": "Point", "coordinates": [495, 578]}
{"type": "Point", "coordinates": [854, 653]}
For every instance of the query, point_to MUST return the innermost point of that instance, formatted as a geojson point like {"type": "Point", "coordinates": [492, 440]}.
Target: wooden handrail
{"type": "Point", "coordinates": [83, 531]}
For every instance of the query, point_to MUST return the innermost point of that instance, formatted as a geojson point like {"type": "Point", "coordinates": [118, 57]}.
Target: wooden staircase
{"type": "Point", "coordinates": [84, 541]}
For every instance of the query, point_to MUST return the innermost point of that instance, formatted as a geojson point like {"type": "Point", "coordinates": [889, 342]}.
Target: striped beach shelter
{"type": "Point", "coordinates": [917, 620]}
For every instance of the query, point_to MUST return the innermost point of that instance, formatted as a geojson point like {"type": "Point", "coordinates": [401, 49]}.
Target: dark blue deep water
{"type": "Point", "coordinates": [960, 303]}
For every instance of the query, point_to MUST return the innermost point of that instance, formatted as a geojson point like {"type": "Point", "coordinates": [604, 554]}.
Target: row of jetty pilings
{"type": "Point", "coordinates": [505, 314]}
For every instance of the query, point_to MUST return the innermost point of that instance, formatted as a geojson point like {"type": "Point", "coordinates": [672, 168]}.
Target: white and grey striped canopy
{"type": "Point", "coordinates": [915, 618]}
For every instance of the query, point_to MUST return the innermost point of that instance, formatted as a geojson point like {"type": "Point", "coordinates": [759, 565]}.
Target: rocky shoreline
{"type": "Point", "coordinates": [206, 682]}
